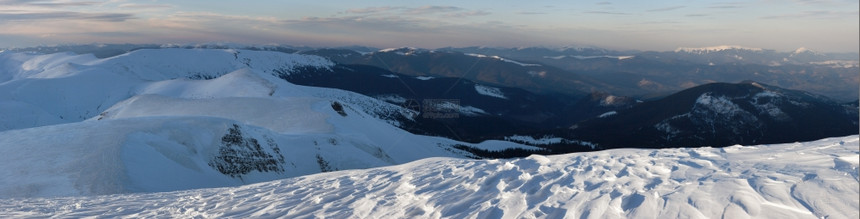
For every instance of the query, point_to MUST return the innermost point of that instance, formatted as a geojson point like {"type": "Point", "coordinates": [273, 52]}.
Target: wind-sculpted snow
{"type": "Point", "coordinates": [800, 180]}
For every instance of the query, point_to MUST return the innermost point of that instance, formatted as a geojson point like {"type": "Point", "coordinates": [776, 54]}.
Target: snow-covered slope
{"type": "Point", "coordinates": [175, 119]}
{"type": "Point", "coordinates": [64, 87]}
{"type": "Point", "coordinates": [799, 180]}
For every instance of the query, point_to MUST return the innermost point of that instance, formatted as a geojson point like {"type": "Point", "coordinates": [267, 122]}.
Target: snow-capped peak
{"type": "Point", "coordinates": [804, 50]}
{"type": "Point", "coordinates": [403, 50]}
{"type": "Point", "coordinates": [715, 49]}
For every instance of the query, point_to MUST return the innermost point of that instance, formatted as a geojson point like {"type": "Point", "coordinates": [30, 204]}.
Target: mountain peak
{"type": "Point", "coordinates": [801, 50]}
{"type": "Point", "coordinates": [715, 49]}
{"type": "Point", "coordinates": [804, 51]}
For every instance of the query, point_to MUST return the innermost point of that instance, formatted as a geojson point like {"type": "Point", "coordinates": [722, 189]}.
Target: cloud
{"type": "Point", "coordinates": [64, 15]}
{"type": "Point", "coordinates": [447, 11]}
{"type": "Point", "coordinates": [725, 7]}
{"type": "Point", "coordinates": [423, 10]}
{"type": "Point", "coordinates": [606, 12]}
{"type": "Point", "coordinates": [819, 14]}
{"type": "Point", "coordinates": [372, 10]}
{"type": "Point", "coordinates": [660, 22]}
{"type": "Point", "coordinates": [603, 3]}
{"type": "Point", "coordinates": [145, 6]}
{"type": "Point", "coordinates": [531, 13]}
{"type": "Point", "coordinates": [433, 9]}
{"type": "Point", "coordinates": [469, 14]}
{"type": "Point", "coordinates": [665, 9]}
{"type": "Point", "coordinates": [47, 4]}
{"type": "Point", "coordinates": [823, 2]}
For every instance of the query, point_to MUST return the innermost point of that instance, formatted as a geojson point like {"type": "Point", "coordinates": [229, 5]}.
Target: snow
{"type": "Point", "coordinates": [394, 49]}
{"type": "Point", "coordinates": [718, 104]}
{"type": "Point", "coordinates": [161, 64]}
{"type": "Point", "coordinates": [125, 124]}
{"type": "Point", "coordinates": [804, 180]}
{"type": "Point", "coordinates": [607, 114]}
{"type": "Point", "coordinates": [282, 115]}
{"type": "Point", "coordinates": [612, 100]}
{"type": "Point", "coordinates": [404, 51]}
{"type": "Point", "coordinates": [471, 111]}
{"type": "Point", "coordinates": [72, 88]}
{"type": "Point", "coordinates": [604, 56]}
{"type": "Point", "coordinates": [490, 91]}
{"type": "Point", "coordinates": [766, 103]}
{"type": "Point", "coordinates": [537, 73]}
{"type": "Point", "coordinates": [496, 145]}
{"type": "Point", "coordinates": [392, 98]}
{"type": "Point", "coordinates": [547, 140]}
{"type": "Point", "coordinates": [501, 59]}
{"type": "Point", "coordinates": [801, 50]}
{"type": "Point", "coordinates": [448, 106]}
{"type": "Point", "coordinates": [715, 49]}
{"type": "Point", "coordinates": [134, 136]}
{"type": "Point", "coordinates": [555, 57]}
{"type": "Point", "coordinates": [838, 63]}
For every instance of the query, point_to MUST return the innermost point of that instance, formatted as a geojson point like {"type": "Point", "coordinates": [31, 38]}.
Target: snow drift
{"type": "Point", "coordinates": [799, 180]}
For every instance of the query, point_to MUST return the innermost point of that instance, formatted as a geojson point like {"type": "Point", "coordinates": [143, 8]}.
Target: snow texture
{"type": "Point", "coordinates": [798, 180]}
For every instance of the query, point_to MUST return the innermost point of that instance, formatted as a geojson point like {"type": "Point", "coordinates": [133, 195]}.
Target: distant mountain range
{"type": "Point", "coordinates": [579, 70]}
{"type": "Point", "coordinates": [563, 99]}
{"type": "Point", "coordinates": [716, 114]}
{"type": "Point", "coordinates": [644, 75]}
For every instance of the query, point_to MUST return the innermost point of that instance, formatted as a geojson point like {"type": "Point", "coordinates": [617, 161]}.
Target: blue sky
{"type": "Point", "coordinates": [822, 25]}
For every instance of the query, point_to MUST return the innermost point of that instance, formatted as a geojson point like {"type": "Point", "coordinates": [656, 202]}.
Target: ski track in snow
{"type": "Point", "coordinates": [796, 180]}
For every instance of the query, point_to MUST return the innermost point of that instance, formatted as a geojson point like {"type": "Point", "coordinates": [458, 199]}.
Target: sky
{"type": "Point", "coordinates": [660, 25]}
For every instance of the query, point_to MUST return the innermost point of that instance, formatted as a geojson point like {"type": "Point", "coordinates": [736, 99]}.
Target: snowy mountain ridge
{"type": "Point", "coordinates": [709, 49]}
{"type": "Point", "coordinates": [175, 119]}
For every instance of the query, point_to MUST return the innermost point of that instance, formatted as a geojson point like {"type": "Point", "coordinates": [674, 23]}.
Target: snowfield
{"type": "Point", "coordinates": [799, 180]}
{"type": "Point", "coordinates": [176, 119]}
